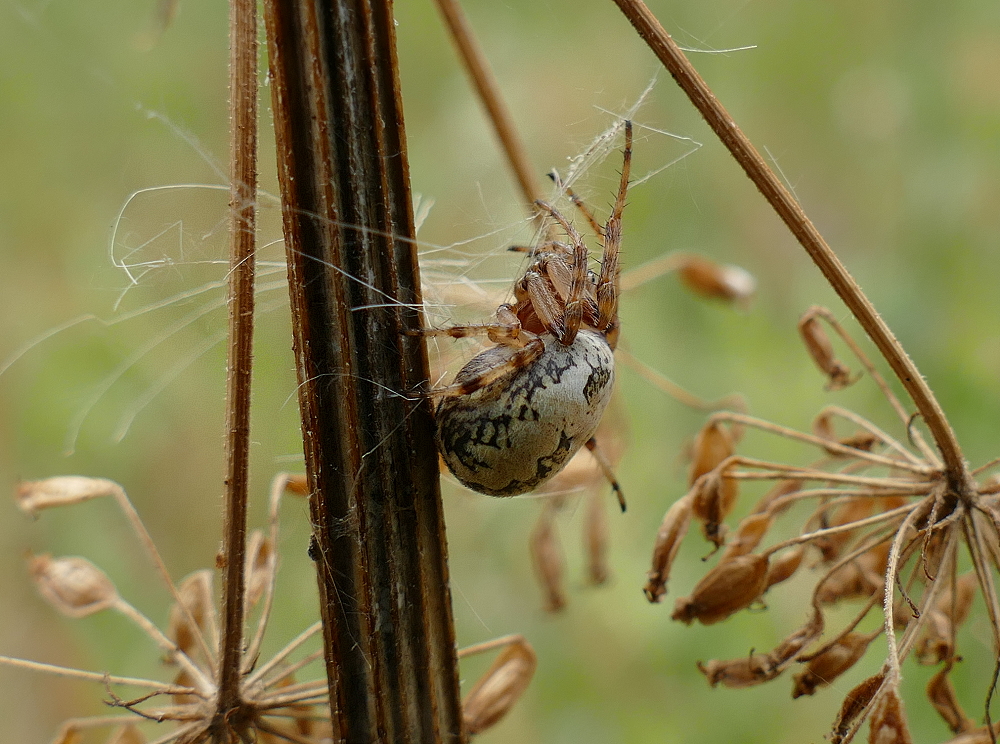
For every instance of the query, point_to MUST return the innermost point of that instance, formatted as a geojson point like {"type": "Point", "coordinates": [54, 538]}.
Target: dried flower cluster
{"type": "Point", "coordinates": [275, 706]}
{"type": "Point", "coordinates": [880, 525]}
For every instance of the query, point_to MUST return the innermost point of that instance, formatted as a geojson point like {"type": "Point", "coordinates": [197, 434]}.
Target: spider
{"type": "Point", "coordinates": [519, 410]}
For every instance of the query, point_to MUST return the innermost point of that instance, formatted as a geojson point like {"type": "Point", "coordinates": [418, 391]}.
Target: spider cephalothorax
{"type": "Point", "coordinates": [518, 411]}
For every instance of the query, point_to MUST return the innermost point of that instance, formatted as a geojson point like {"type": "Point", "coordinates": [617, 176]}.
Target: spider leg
{"type": "Point", "coordinates": [606, 468]}
{"type": "Point", "coordinates": [607, 283]}
{"type": "Point", "coordinates": [492, 365]}
{"type": "Point", "coordinates": [506, 331]}
{"type": "Point", "coordinates": [578, 203]}
{"type": "Point", "coordinates": [573, 317]}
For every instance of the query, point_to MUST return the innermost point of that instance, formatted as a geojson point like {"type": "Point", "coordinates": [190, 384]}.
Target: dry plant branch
{"type": "Point", "coordinates": [242, 236]}
{"type": "Point", "coordinates": [785, 205]}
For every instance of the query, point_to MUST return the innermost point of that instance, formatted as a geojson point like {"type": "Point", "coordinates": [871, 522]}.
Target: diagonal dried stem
{"type": "Point", "coordinates": [789, 210]}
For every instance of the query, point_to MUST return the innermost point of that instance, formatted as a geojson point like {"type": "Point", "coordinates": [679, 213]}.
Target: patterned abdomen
{"type": "Point", "coordinates": [515, 433]}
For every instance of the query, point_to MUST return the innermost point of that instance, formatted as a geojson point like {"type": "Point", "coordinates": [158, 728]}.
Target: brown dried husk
{"type": "Point", "coordinates": [729, 587]}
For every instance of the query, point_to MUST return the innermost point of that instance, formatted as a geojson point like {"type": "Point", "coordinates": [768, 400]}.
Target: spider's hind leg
{"type": "Point", "coordinates": [608, 471]}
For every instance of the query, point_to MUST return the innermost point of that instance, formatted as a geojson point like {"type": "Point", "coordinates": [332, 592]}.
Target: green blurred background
{"type": "Point", "coordinates": [884, 118]}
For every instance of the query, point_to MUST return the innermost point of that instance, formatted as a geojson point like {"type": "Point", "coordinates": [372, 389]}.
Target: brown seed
{"type": "Point", "coordinates": [860, 578]}
{"type": "Point", "coordinates": [596, 539]}
{"type": "Point", "coordinates": [854, 705]}
{"type": "Point", "coordinates": [784, 566]}
{"type": "Point", "coordinates": [942, 696]}
{"type": "Point", "coordinates": [979, 736]}
{"type": "Point", "coordinates": [831, 546]}
{"type": "Point", "coordinates": [33, 496]}
{"type": "Point", "coordinates": [714, 496]}
{"type": "Point", "coordinates": [888, 725]}
{"type": "Point", "coordinates": [821, 350]}
{"type": "Point", "coordinates": [547, 559]}
{"type": "Point", "coordinates": [727, 588]}
{"type": "Point", "coordinates": [127, 735]}
{"type": "Point", "coordinates": [496, 691]}
{"type": "Point", "coordinates": [715, 281]}
{"type": "Point", "coordinates": [73, 585]}
{"type": "Point", "coordinates": [261, 563]}
{"type": "Point", "coordinates": [198, 597]}
{"type": "Point", "coordinates": [945, 617]}
{"type": "Point", "coordinates": [712, 445]}
{"type": "Point", "coordinates": [747, 536]}
{"type": "Point", "coordinates": [747, 671]}
{"type": "Point", "coordinates": [668, 542]}
{"type": "Point", "coordinates": [826, 666]}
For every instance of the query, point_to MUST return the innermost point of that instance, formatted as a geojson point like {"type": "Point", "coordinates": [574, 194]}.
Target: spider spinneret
{"type": "Point", "coordinates": [518, 411]}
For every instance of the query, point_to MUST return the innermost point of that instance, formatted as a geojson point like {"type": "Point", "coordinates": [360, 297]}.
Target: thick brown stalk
{"type": "Point", "coordinates": [368, 434]}
{"type": "Point", "coordinates": [242, 228]}
{"type": "Point", "coordinates": [794, 217]}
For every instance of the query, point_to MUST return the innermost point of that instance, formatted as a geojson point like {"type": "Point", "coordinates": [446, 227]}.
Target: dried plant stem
{"type": "Point", "coordinates": [242, 227]}
{"type": "Point", "coordinates": [794, 217]}
{"type": "Point", "coordinates": [486, 85]}
{"type": "Point", "coordinates": [388, 635]}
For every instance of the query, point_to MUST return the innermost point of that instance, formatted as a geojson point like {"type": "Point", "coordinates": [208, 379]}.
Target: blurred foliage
{"type": "Point", "coordinates": [884, 118]}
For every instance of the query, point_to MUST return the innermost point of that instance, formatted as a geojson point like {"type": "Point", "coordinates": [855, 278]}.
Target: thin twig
{"type": "Point", "coordinates": [482, 76]}
{"type": "Point", "coordinates": [242, 205]}
{"type": "Point", "coordinates": [785, 205]}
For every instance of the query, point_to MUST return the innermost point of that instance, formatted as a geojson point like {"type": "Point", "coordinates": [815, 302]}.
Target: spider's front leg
{"type": "Point", "coordinates": [607, 283]}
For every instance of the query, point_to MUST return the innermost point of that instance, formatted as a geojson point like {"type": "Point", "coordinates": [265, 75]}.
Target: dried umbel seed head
{"type": "Point", "coordinates": [668, 541]}
{"type": "Point", "coordinates": [73, 585]}
{"type": "Point", "coordinates": [747, 536]}
{"type": "Point", "coordinates": [831, 546]}
{"type": "Point", "coordinates": [33, 496]}
{"type": "Point", "coordinates": [727, 588]}
{"type": "Point", "coordinates": [496, 691]}
{"type": "Point", "coordinates": [728, 283]}
{"type": "Point", "coordinates": [821, 350]}
{"type": "Point", "coordinates": [831, 662]}
{"type": "Point", "coordinates": [515, 433]}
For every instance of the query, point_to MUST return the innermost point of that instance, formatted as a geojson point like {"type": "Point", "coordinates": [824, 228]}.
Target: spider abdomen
{"type": "Point", "coordinates": [513, 434]}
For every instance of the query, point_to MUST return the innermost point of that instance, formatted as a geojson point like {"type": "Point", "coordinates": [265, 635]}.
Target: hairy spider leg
{"type": "Point", "coordinates": [578, 279]}
{"type": "Point", "coordinates": [607, 470]}
{"type": "Point", "coordinates": [607, 284]}
{"type": "Point", "coordinates": [578, 203]}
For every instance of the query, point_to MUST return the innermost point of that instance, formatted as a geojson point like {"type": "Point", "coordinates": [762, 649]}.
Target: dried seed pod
{"type": "Point", "coordinates": [547, 559]}
{"type": "Point", "coordinates": [747, 671]}
{"type": "Point", "coordinates": [712, 445]}
{"type": "Point", "coordinates": [747, 536]}
{"type": "Point", "coordinates": [261, 563]}
{"type": "Point", "coordinates": [831, 662]}
{"type": "Point", "coordinates": [942, 696]}
{"type": "Point", "coordinates": [33, 496]}
{"type": "Point", "coordinates": [496, 691]}
{"type": "Point", "coordinates": [888, 724]}
{"type": "Point", "coordinates": [948, 613]}
{"type": "Point", "coordinates": [862, 577]}
{"type": "Point", "coordinates": [73, 585]}
{"type": "Point", "coordinates": [68, 733]}
{"type": "Point", "coordinates": [854, 705]}
{"type": "Point", "coordinates": [197, 595]}
{"type": "Point", "coordinates": [596, 539]}
{"type": "Point", "coordinates": [714, 496]}
{"type": "Point", "coordinates": [831, 546]}
{"type": "Point", "coordinates": [785, 564]}
{"type": "Point", "coordinates": [127, 735]}
{"type": "Point", "coordinates": [768, 502]}
{"type": "Point", "coordinates": [727, 588]}
{"type": "Point", "coordinates": [727, 282]}
{"type": "Point", "coordinates": [861, 439]}
{"type": "Point", "coordinates": [668, 542]}
{"type": "Point", "coordinates": [821, 350]}
{"type": "Point", "coordinates": [297, 484]}
{"type": "Point", "coordinates": [979, 736]}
